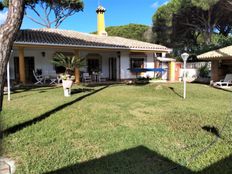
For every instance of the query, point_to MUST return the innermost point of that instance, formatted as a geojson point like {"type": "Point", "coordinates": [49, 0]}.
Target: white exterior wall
{"type": "Point", "coordinates": [150, 64]}
{"type": "Point", "coordinates": [125, 65]}
{"type": "Point", "coordinates": [164, 54]}
{"type": "Point", "coordinates": [41, 62]}
{"type": "Point", "coordinates": [47, 67]}
{"type": "Point", "coordinates": [164, 65]}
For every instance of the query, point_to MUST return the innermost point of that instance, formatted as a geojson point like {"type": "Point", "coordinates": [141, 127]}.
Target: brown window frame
{"type": "Point", "coordinates": [140, 64]}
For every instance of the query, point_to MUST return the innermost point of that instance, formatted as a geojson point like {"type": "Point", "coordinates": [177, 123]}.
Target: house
{"type": "Point", "coordinates": [114, 57]}
{"type": "Point", "coordinates": [221, 62]}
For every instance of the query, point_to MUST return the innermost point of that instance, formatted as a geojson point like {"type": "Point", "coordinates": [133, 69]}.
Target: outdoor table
{"type": "Point", "coordinates": [95, 77]}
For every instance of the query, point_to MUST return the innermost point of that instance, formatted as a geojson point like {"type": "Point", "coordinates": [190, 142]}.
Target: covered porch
{"type": "Point", "coordinates": [221, 62]}
{"type": "Point", "coordinates": [100, 65]}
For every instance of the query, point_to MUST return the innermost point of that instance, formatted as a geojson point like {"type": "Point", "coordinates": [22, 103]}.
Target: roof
{"type": "Point", "coordinates": [69, 38]}
{"type": "Point", "coordinates": [222, 53]}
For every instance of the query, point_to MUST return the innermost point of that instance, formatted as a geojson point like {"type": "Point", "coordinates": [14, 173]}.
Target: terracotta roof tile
{"type": "Point", "coordinates": [222, 53]}
{"type": "Point", "coordinates": [78, 39]}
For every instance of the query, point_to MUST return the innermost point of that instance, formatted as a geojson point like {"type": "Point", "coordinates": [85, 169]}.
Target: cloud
{"type": "Point", "coordinates": [157, 4]}
{"type": "Point", "coordinates": [165, 3]}
{"type": "Point", "coordinates": [3, 16]}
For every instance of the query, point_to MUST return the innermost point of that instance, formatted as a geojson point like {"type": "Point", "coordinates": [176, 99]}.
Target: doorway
{"type": "Point", "coordinates": [29, 67]}
{"type": "Point", "coordinates": [113, 68]}
{"type": "Point", "coordinates": [93, 65]}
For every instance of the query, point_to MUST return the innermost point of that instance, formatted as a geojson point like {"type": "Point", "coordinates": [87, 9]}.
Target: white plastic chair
{"type": "Point", "coordinates": [225, 82]}
{"type": "Point", "coordinates": [86, 77]}
{"type": "Point", "coordinates": [59, 78]}
{"type": "Point", "coordinates": [53, 80]}
{"type": "Point", "coordinates": [101, 77]}
{"type": "Point", "coordinates": [39, 78]}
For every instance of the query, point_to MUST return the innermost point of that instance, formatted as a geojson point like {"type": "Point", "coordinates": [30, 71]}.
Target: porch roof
{"type": "Point", "coordinates": [222, 53]}
{"type": "Point", "coordinates": [68, 38]}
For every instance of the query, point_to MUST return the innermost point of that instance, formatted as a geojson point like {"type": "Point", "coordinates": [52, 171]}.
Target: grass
{"type": "Point", "coordinates": [119, 129]}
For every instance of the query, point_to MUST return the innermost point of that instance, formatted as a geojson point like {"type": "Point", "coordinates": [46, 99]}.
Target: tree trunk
{"type": "Point", "coordinates": [208, 37]}
{"type": "Point", "coordinates": [8, 32]}
{"type": "Point", "coordinates": [208, 29]}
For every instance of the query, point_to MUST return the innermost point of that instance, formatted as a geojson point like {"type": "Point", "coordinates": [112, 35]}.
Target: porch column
{"type": "Point", "coordinates": [156, 63]}
{"type": "Point", "coordinates": [76, 70]}
{"type": "Point", "coordinates": [171, 69]}
{"type": "Point", "coordinates": [216, 71]}
{"type": "Point", "coordinates": [22, 75]}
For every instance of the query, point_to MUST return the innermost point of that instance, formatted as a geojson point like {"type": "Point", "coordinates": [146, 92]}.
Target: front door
{"type": "Point", "coordinates": [93, 65]}
{"type": "Point", "coordinates": [29, 67]}
{"type": "Point", "coordinates": [113, 68]}
{"type": "Point", "coordinates": [16, 69]}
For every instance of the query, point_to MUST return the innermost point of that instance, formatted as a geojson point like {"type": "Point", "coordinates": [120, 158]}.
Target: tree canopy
{"type": "Point", "coordinates": [54, 11]}
{"type": "Point", "coordinates": [192, 23]}
{"type": "Point", "coordinates": [131, 31]}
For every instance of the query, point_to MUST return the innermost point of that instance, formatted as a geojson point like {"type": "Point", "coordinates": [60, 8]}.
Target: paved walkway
{"type": "Point", "coordinates": [7, 166]}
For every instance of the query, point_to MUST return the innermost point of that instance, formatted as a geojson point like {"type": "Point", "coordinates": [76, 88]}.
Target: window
{"type": "Point", "coordinates": [93, 65]}
{"type": "Point", "coordinates": [136, 63]}
{"type": "Point", "coordinates": [158, 54]}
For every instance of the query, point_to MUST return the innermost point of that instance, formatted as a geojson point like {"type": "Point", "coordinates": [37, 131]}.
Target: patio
{"type": "Point", "coordinates": [38, 68]}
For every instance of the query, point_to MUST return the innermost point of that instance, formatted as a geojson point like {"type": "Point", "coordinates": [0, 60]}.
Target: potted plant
{"type": "Point", "coordinates": [70, 63]}
{"type": "Point", "coordinates": [67, 82]}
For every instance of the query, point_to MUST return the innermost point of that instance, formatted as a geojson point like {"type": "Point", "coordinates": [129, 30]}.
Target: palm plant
{"type": "Point", "coordinates": [204, 71]}
{"type": "Point", "coordinates": [69, 62]}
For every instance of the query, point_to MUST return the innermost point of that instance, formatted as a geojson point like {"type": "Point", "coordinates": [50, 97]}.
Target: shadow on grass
{"type": "Point", "coordinates": [174, 91]}
{"type": "Point", "coordinates": [107, 83]}
{"type": "Point", "coordinates": [41, 90]}
{"type": "Point", "coordinates": [21, 126]}
{"type": "Point", "coordinates": [32, 88]}
{"type": "Point", "coordinates": [211, 129]}
{"type": "Point", "coordinates": [80, 90]}
{"type": "Point", "coordinates": [35, 90]}
{"type": "Point", "coordinates": [139, 160]}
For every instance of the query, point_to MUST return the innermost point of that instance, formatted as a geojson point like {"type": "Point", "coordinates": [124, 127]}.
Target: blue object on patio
{"type": "Point", "coordinates": [138, 70]}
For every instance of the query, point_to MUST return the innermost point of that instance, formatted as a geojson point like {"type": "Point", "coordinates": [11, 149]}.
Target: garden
{"type": "Point", "coordinates": [118, 129]}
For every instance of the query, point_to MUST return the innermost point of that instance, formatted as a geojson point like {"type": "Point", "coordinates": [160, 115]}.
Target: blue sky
{"type": "Point", "coordinates": [119, 12]}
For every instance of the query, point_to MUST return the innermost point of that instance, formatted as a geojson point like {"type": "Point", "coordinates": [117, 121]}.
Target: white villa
{"type": "Point", "coordinates": [114, 57]}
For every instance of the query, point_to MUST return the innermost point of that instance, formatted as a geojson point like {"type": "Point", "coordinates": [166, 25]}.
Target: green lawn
{"type": "Point", "coordinates": [119, 129]}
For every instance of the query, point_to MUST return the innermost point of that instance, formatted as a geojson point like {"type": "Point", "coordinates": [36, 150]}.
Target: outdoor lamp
{"type": "Point", "coordinates": [43, 54]}
{"type": "Point", "coordinates": [185, 57]}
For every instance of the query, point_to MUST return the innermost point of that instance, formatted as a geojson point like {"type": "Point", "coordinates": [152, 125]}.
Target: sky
{"type": "Point", "coordinates": [119, 12]}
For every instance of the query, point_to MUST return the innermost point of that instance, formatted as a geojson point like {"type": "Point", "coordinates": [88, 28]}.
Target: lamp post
{"type": "Point", "coordinates": [185, 57]}
{"type": "Point", "coordinates": [8, 81]}
{"type": "Point", "coordinates": [8, 76]}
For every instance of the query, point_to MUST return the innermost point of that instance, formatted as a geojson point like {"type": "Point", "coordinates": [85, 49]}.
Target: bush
{"type": "Point", "coordinates": [204, 71]}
